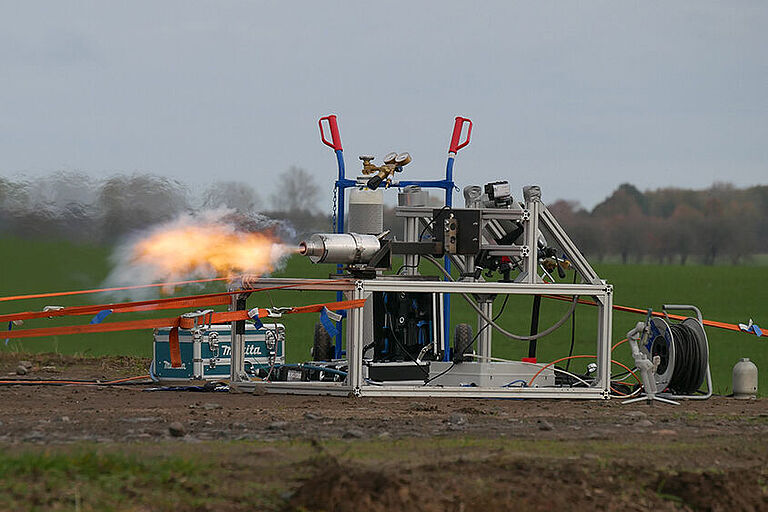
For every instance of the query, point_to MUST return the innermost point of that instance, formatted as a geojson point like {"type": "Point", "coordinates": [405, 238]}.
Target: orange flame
{"type": "Point", "coordinates": [208, 249]}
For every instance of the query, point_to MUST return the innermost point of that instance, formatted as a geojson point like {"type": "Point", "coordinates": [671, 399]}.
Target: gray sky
{"type": "Point", "coordinates": [577, 97]}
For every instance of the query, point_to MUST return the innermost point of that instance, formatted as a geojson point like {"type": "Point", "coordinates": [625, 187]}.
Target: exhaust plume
{"type": "Point", "coordinates": [213, 243]}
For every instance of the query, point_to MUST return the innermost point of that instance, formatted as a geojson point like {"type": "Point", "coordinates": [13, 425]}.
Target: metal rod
{"type": "Point", "coordinates": [485, 332]}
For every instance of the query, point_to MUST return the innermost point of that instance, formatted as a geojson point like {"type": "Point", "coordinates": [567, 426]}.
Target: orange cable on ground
{"type": "Point", "coordinates": [75, 382]}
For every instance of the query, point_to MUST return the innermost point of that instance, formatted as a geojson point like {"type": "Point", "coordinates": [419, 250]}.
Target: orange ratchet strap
{"type": "Point", "coordinates": [189, 301]}
{"type": "Point", "coordinates": [216, 299]}
{"type": "Point", "coordinates": [184, 323]}
{"type": "Point", "coordinates": [233, 316]}
{"type": "Point", "coordinates": [173, 343]}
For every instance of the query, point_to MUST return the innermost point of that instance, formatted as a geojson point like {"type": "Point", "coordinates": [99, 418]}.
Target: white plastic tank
{"type": "Point", "coordinates": [745, 379]}
{"type": "Point", "coordinates": [366, 211]}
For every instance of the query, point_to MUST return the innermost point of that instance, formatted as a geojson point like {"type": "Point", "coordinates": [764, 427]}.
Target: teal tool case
{"type": "Point", "coordinates": [216, 351]}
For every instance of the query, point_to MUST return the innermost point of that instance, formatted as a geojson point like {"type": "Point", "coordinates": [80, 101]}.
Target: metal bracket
{"type": "Point", "coordinates": [278, 311]}
{"type": "Point", "coordinates": [196, 315]}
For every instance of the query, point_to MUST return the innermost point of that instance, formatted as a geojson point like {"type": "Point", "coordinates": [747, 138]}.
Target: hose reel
{"type": "Point", "coordinates": [683, 353]}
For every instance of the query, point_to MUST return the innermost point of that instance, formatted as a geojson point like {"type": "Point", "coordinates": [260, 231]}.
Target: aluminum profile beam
{"type": "Point", "coordinates": [484, 392]}
{"type": "Point", "coordinates": [291, 283]}
{"type": "Point", "coordinates": [493, 287]}
{"type": "Point", "coordinates": [577, 258]}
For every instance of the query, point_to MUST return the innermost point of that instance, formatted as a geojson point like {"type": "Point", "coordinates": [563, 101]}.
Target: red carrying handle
{"type": "Point", "coordinates": [457, 128]}
{"type": "Point", "coordinates": [335, 141]}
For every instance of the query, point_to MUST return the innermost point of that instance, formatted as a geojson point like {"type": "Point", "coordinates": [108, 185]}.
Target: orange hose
{"type": "Point", "coordinates": [617, 344]}
{"type": "Point", "coordinates": [580, 357]}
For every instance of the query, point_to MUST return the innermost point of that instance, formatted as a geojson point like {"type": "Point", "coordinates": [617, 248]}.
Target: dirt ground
{"type": "Point", "coordinates": [413, 454]}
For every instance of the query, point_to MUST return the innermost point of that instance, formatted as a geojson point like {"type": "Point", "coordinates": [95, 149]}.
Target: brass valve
{"type": "Point", "coordinates": [393, 162]}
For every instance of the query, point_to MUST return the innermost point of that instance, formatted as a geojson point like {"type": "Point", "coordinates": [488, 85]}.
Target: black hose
{"type": "Point", "coordinates": [496, 326]}
{"type": "Point", "coordinates": [573, 332]}
{"type": "Point", "coordinates": [688, 374]}
{"type": "Point", "coordinates": [534, 325]}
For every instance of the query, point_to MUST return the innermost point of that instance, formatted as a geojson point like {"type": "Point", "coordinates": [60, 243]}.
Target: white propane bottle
{"type": "Point", "coordinates": [366, 212]}
{"type": "Point", "coordinates": [744, 379]}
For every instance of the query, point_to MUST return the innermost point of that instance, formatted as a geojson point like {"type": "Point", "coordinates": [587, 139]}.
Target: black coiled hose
{"type": "Point", "coordinates": [689, 372]}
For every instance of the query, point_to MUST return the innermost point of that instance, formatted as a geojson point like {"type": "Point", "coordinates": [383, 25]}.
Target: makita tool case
{"type": "Point", "coordinates": [215, 352]}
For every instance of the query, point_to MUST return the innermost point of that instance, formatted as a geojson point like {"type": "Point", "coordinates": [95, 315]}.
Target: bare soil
{"type": "Point", "coordinates": [410, 454]}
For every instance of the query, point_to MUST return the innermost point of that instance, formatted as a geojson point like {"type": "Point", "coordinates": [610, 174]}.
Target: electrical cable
{"type": "Point", "coordinates": [618, 343]}
{"type": "Point", "coordinates": [573, 329]}
{"type": "Point", "coordinates": [427, 381]}
{"type": "Point", "coordinates": [501, 310]}
{"type": "Point", "coordinates": [493, 324]}
{"type": "Point", "coordinates": [495, 318]}
{"type": "Point", "coordinates": [432, 221]}
{"type": "Point", "coordinates": [574, 376]}
{"type": "Point", "coordinates": [10, 382]}
{"type": "Point", "coordinates": [408, 266]}
{"type": "Point", "coordinates": [688, 373]}
{"type": "Point", "coordinates": [403, 348]}
{"type": "Point", "coordinates": [581, 357]}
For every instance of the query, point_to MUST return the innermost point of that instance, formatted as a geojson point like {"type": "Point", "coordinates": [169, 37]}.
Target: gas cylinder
{"type": "Point", "coordinates": [366, 211]}
{"type": "Point", "coordinates": [744, 379]}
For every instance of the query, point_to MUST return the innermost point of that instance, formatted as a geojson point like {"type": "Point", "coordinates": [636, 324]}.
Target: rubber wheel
{"type": "Point", "coordinates": [322, 344]}
{"type": "Point", "coordinates": [462, 340]}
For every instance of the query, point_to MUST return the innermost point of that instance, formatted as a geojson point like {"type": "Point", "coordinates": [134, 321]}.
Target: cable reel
{"type": "Point", "coordinates": [660, 343]}
{"type": "Point", "coordinates": [683, 353]}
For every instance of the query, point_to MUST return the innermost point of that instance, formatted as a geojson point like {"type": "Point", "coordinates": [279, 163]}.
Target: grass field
{"type": "Point", "coordinates": [729, 294]}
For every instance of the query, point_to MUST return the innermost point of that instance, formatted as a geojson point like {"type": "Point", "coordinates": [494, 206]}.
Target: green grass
{"type": "Point", "coordinates": [259, 475]}
{"type": "Point", "coordinates": [725, 293]}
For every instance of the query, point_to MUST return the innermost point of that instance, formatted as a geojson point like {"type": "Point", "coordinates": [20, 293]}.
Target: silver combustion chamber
{"type": "Point", "coordinates": [348, 248]}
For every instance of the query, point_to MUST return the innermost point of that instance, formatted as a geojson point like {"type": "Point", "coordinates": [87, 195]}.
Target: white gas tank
{"type": "Point", "coordinates": [745, 379]}
{"type": "Point", "coordinates": [366, 211]}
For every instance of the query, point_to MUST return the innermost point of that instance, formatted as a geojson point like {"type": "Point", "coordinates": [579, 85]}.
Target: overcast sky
{"type": "Point", "coordinates": [577, 97]}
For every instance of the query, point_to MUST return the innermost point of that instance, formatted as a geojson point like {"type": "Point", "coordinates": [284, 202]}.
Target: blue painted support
{"type": "Point", "coordinates": [447, 263]}
{"type": "Point", "coordinates": [444, 184]}
{"type": "Point", "coordinates": [341, 185]}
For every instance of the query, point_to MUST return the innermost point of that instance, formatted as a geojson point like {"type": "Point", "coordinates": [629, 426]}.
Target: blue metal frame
{"type": "Point", "coordinates": [343, 183]}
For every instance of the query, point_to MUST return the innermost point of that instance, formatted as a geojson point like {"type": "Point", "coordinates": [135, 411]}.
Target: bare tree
{"type": "Point", "coordinates": [297, 191]}
{"type": "Point", "coordinates": [128, 203]}
{"type": "Point", "coordinates": [232, 194]}
{"type": "Point", "coordinates": [684, 223]}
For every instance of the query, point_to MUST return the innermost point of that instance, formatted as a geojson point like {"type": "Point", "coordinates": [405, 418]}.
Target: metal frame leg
{"type": "Point", "coordinates": [485, 331]}
{"type": "Point", "coordinates": [237, 361]}
{"type": "Point", "coordinates": [355, 342]}
{"type": "Point", "coordinates": [604, 331]}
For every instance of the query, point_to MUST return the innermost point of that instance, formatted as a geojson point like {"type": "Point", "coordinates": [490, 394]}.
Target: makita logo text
{"type": "Point", "coordinates": [250, 350]}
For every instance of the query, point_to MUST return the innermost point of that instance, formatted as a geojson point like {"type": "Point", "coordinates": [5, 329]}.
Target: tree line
{"type": "Point", "coordinates": [80, 208]}
{"type": "Point", "coordinates": [671, 225]}
{"type": "Point", "coordinates": [668, 225]}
